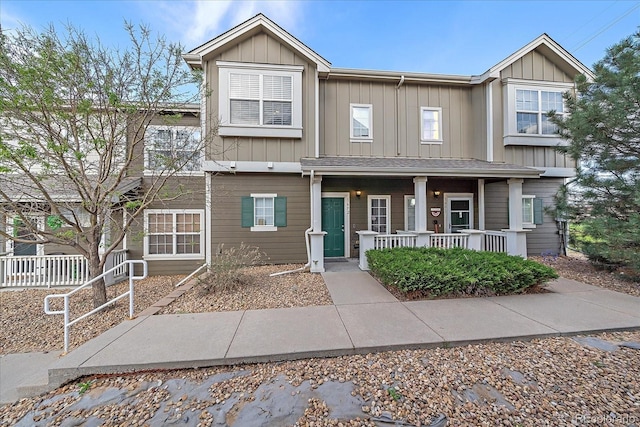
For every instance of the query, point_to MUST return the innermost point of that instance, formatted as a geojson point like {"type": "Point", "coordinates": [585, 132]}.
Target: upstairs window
{"type": "Point", "coordinates": [430, 125]}
{"type": "Point", "coordinates": [361, 121]}
{"type": "Point", "coordinates": [532, 107]}
{"type": "Point", "coordinates": [526, 112]}
{"type": "Point", "coordinates": [173, 148]}
{"type": "Point", "coordinates": [260, 100]}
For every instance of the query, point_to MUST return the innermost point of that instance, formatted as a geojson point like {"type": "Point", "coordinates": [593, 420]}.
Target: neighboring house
{"type": "Point", "coordinates": [312, 151]}
{"type": "Point", "coordinates": [165, 232]}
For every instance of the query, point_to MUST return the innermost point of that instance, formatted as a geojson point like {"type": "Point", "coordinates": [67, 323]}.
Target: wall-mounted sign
{"type": "Point", "coordinates": [436, 211]}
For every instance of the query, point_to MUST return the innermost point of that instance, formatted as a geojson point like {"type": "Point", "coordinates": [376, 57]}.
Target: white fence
{"type": "Point", "coordinates": [494, 241]}
{"type": "Point", "coordinates": [55, 270]}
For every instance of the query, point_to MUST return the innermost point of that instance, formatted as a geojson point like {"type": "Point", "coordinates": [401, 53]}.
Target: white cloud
{"type": "Point", "coordinates": [196, 22]}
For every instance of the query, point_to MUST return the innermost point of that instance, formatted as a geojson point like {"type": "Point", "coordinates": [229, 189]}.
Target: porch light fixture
{"type": "Point", "coordinates": [358, 193]}
{"type": "Point", "coordinates": [436, 194]}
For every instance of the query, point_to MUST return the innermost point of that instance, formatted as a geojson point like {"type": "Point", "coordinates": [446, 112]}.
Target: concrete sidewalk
{"type": "Point", "coordinates": [365, 317]}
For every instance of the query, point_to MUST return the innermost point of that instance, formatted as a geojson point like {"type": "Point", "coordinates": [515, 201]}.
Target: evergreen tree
{"type": "Point", "coordinates": [603, 133]}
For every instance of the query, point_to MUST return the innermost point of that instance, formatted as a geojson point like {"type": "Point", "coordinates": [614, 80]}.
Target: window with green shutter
{"type": "Point", "coordinates": [264, 212]}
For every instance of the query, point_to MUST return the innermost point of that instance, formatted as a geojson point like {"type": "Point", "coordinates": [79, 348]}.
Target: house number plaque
{"type": "Point", "coordinates": [435, 211]}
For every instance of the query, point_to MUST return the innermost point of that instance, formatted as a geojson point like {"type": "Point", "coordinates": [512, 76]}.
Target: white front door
{"type": "Point", "coordinates": [458, 212]}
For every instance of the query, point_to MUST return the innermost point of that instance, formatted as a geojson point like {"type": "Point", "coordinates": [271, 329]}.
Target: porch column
{"type": "Point", "coordinates": [515, 203]}
{"type": "Point", "coordinates": [420, 192]}
{"type": "Point", "coordinates": [481, 204]}
{"type": "Point", "coordinates": [366, 243]}
{"type": "Point", "coordinates": [516, 235]}
{"type": "Point", "coordinates": [316, 236]}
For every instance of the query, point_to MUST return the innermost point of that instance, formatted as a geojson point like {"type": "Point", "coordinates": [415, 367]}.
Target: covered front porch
{"type": "Point", "coordinates": [411, 202]}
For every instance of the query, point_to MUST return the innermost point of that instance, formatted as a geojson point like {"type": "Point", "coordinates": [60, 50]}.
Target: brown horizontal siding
{"type": "Point", "coordinates": [545, 236]}
{"type": "Point", "coordinates": [181, 192]}
{"type": "Point", "coordinates": [285, 245]}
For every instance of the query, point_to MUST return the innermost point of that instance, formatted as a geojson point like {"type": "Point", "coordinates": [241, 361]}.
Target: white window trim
{"type": "Point", "coordinates": [360, 138]}
{"type": "Point", "coordinates": [225, 128]}
{"type": "Point", "coordinates": [448, 197]}
{"type": "Point", "coordinates": [430, 141]}
{"type": "Point", "coordinates": [511, 135]}
{"type": "Point", "coordinates": [149, 256]}
{"type": "Point", "coordinates": [529, 224]}
{"type": "Point", "coordinates": [10, 244]}
{"type": "Point", "coordinates": [264, 227]}
{"type": "Point", "coordinates": [151, 129]}
{"type": "Point", "coordinates": [377, 196]}
{"type": "Point", "coordinates": [407, 198]}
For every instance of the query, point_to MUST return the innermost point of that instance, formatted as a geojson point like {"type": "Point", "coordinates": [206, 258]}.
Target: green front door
{"type": "Point", "coordinates": [333, 224]}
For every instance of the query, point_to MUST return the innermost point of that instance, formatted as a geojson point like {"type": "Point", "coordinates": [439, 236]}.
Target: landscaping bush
{"type": "Point", "coordinates": [226, 272]}
{"type": "Point", "coordinates": [436, 272]}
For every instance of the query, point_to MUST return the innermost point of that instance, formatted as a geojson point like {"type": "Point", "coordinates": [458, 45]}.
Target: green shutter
{"type": "Point", "coordinates": [537, 211]}
{"type": "Point", "coordinates": [280, 207]}
{"type": "Point", "coordinates": [247, 211]}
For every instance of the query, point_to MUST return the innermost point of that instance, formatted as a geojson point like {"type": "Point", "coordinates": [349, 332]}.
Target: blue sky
{"type": "Point", "coordinates": [449, 37]}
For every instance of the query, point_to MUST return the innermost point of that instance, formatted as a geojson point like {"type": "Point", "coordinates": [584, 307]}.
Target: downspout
{"type": "Point", "coordinates": [317, 117]}
{"type": "Point", "coordinates": [306, 235]}
{"type": "Point", "coordinates": [490, 122]}
{"type": "Point", "coordinates": [400, 83]}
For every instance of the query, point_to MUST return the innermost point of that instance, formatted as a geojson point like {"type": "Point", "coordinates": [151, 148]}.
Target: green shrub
{"type": "Point", "coordinates": [436, 272]}
{"type": "Point", "coordinates": [226, 272]}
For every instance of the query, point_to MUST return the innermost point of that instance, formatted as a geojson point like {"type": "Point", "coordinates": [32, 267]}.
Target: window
{"type": "Point", "coordinates": [361, 119]}
{"type": "Point", "coordinates": [430, 124]}
{"type": "Point", "coordinates": [532, 211]}
{"type": "Point", "coordinates": [264, 212]}
{"type": "Point", "coordinates": [409, 213]}
{"type": "Point", "coordinates": [260, 100]}
{"type": "Point", "coordinates": [76, 215]}
{"type": "Point", "coordinates": [379, 213]}
{"type": "Point", "coordinates": [532, 107]}
{"type": "Point", "coordinates": [174, 234]}
{"type": "Point", "coordinates": [527, 104]}
{"type": "Point", "coordinates": [173, 147]}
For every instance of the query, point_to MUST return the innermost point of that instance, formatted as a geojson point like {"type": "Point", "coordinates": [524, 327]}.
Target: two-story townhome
{"type": "Point", "coordinates": [309, 159]}
{"type": "Point", "coordinates": [310, 162]}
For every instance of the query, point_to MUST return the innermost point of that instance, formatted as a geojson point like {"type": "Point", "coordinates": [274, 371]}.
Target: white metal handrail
{"type": "Point", "coordinates": [65, 311]}
{"type": "Point", "coordinates": [192, 274]}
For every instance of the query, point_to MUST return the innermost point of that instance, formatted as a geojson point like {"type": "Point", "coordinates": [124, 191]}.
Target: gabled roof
{"type": "Point", "coordinates": [248, 28]}
{"type": "Point", "coordinates": [549, 48]}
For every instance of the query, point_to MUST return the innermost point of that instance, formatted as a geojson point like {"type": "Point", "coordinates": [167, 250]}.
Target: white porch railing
{"type": "Point", "coordinates": [384, 241]}
{"type": "Point", "coordinates": [45, 271]}
{"type": "Point", "coordinates": [449, 240]}
{"type": "Point", "coordinates": [494, 241]}
{"type": "Point", "coordinates": [56, 270]}
{"type": "Point", "coordinates": [66, 312]}
{"type": "Point", "coordinates": [491, 241]}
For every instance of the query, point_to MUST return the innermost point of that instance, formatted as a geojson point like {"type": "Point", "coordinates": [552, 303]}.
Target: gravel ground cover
{"type": "Point", "coordinates": [577, 267]}
{"type": "Point", "coordinates": [283, 291]}
{"type": "Point", "coordinates": [24, 326]}
{"type": "Point", "coordinates": [554, 381]}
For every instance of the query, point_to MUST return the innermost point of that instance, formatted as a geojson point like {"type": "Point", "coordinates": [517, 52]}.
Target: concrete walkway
{"type": "Point", "coordinates": [365, 317]}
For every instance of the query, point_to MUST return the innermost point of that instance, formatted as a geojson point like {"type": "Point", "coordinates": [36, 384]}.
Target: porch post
{"type": "Point", "coordinates": [366, 243]}
{"type": "Point", "coordinates": [516, 235]}
{"type": "Point", "coordinates": [317, 235]}
{"type": "Point", "coordinates": [481, 204]}
{"type": "Point", "coordinates": [420, 192]}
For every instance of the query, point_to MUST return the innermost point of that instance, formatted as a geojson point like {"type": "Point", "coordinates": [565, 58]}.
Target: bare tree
{"type": "Point", "coordinates": [74, 115]}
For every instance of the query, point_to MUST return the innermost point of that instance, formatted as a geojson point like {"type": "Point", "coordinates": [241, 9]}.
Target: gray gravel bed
{"type": "Point", "coordinates": [555, 381]}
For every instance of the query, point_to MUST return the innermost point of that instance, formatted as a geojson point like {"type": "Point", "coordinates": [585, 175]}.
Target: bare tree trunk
{"type": "Point", "coordinates": [99, 288]}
